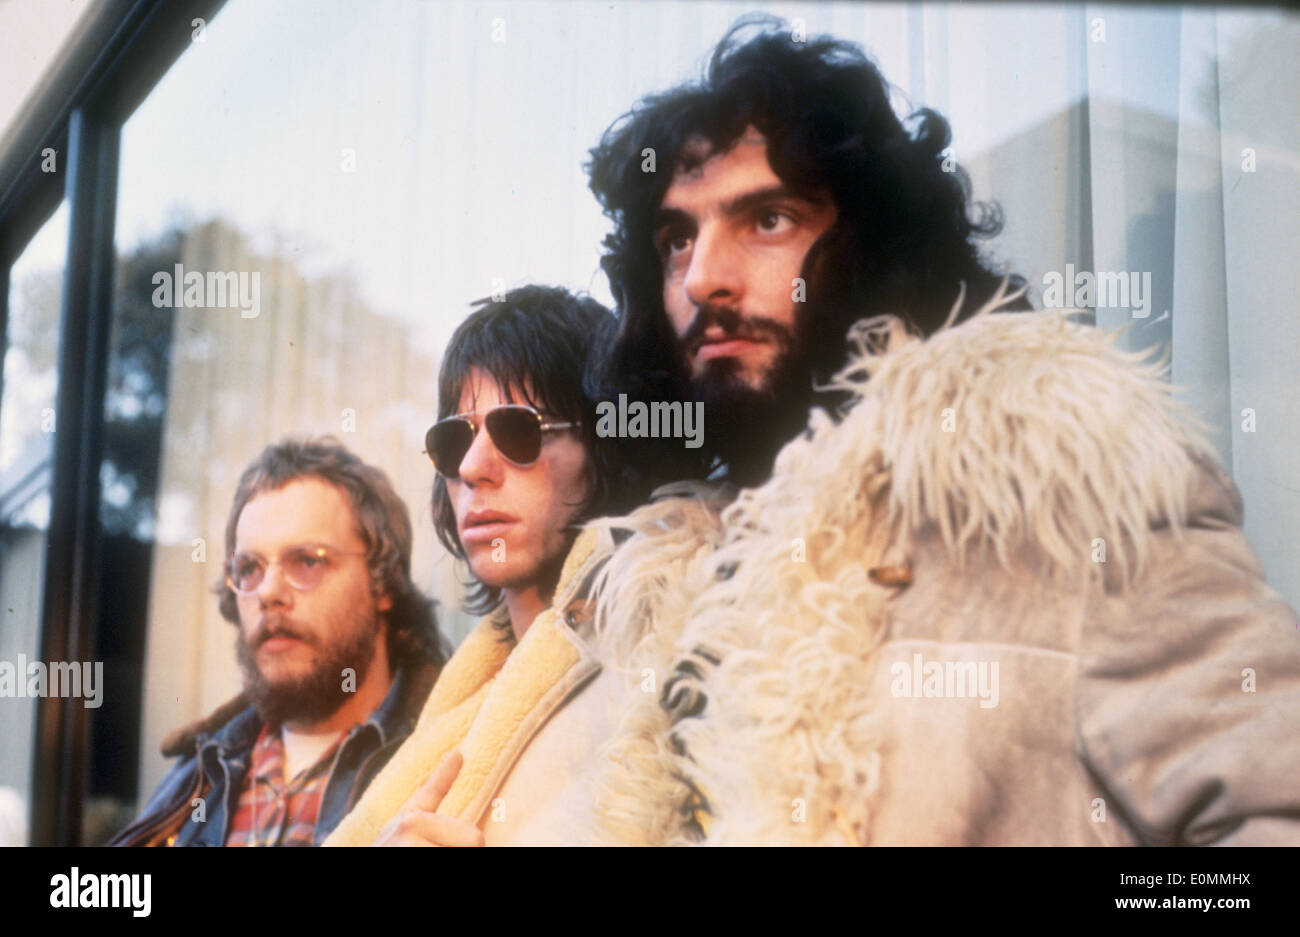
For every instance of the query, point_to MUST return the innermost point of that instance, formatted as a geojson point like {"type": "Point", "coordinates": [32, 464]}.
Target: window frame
{"type": "Point", "coordinates": [110, 63]}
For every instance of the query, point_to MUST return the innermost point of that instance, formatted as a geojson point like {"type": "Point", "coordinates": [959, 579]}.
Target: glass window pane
{"type": "Point", "coordinates": [314, 194]}
{"type": "Point", "coordinates": [27, 428]}
{"type": "Point", "coordinates": [352, 178]}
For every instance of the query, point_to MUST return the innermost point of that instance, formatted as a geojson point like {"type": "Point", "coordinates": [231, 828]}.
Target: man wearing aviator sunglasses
{"type": "Point", "coordinates": [518, 469]}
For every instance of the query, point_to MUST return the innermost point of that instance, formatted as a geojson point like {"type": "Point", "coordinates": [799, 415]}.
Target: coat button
{"type": "Point", "coordinates": [898, 576]}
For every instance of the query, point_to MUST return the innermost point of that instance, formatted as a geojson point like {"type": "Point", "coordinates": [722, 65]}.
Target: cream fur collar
{"type": "Point", "coordinates": [1012, 434]}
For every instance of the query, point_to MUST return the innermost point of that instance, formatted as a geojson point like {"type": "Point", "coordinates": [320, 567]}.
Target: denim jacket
{"type": "Point", "coordinates": [195, 803]}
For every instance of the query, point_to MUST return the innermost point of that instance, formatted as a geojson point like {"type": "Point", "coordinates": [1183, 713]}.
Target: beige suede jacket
{"type": "Point", "coordinates": [1005, 600]}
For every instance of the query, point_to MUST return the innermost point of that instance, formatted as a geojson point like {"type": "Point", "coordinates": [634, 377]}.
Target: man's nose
{"type": "Point", "coordinates": [482, 463]}
{"type": "Point", "coordinates": [274, 589]}
{"type": "Point", "coordinates": [715, 273]}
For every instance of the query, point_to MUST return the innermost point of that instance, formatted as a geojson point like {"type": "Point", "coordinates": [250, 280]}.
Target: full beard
{"type": "Point", "coordinates": [317, 693]}
{"type": "Point", "coordinates": [748, 426]}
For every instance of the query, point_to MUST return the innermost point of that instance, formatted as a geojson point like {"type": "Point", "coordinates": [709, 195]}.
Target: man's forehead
{"type": "Point", "coordinates": [742, 166]}
{"type": "Point", "coordinates": [305, 510]}
{"type": "Point", "coordinates": [482, 389]}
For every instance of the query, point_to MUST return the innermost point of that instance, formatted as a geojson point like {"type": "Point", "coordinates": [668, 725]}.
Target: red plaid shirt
{"type": "Point", "coordinates": [271, 813]}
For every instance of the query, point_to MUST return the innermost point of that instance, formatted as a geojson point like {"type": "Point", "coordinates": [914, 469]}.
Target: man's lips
{"type": "Point", "coordinates": [273, 637]}
{"type": "Point", "coordinates": [279, 643]}
{"type": "Point", "coordinates": [485, 526]}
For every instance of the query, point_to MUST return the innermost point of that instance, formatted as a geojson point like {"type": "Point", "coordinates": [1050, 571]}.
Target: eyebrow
{"type": "Point", "coordinates": [304, 545]}
{"type": "Point", "coordinates": [740, 204]}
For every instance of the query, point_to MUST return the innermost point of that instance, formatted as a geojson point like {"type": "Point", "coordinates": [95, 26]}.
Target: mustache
{"type": "Point", "coordinates": [735, 325]}
{"type": "Point", "coordinates": [274, 626]}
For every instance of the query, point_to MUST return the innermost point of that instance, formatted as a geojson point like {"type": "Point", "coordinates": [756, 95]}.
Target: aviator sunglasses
{"type": "Point", "coordinates": [515, 429]}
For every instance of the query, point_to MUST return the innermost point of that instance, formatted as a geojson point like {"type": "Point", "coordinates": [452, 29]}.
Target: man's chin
{"type": "Point", "coordinates": [295, 687]}
{"type": "Point", "coordinates": [734, 385]}
{"type": "Point", "coordinates": [520, 575]}
{"type": "Point", "coordinates": [283, 677]}
{"type": "Point", "coordinates": [295, 698]}
{"type": "Point", "coordinates": [749, 416]}
{"type": "Point", "coordinates": [731, 395]}
{"type": "Point", "coordinates": [518, 572]}
{"type": "Point", "coordinates": [518, 582]}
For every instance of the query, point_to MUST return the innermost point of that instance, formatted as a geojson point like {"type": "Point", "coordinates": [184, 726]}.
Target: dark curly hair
{"type": "Point", "coordinates": [382, 523]}
{"type": "Point", "coordinates": [903, 241]}
{"type": "Point", "coordinates": [538, 339]}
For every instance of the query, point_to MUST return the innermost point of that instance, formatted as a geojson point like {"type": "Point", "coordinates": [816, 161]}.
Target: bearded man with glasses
{"type": "Point", "coordinates": [519, 468]}
{"type": "Point", "coordinates": [337, 647]}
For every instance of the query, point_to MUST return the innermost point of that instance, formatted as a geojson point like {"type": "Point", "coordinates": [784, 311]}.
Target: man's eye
{"type": "Point", "coordinates": [245, 566]}
{"type": "Point", "coordinates": [299, 562]}
{"type": "Point", "coordinates": [673, 244]}
{"type": "Point", "coordinates": [774, 222]}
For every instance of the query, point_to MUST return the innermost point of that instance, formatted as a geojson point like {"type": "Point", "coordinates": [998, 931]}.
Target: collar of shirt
{"type": "Point", "coordinates": [268, 762]}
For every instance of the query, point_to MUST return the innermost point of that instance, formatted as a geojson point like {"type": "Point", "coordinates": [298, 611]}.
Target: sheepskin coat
{"type": "Point", "coordinates": [527, 719]}
{"type": "Point", "coordinates": [1005, 599]}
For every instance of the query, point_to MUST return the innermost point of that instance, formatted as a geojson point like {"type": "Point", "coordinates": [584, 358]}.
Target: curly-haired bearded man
{"type": "Point", "coordinates": [976, 580]}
